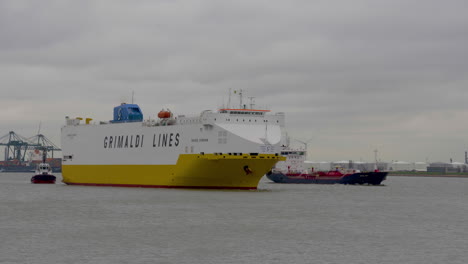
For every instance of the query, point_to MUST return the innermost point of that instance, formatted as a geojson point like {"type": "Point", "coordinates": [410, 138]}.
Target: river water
{"type": "Point", "coordinates": [407, 220]}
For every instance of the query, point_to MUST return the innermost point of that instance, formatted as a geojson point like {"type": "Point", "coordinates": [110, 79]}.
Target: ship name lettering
{"type": "Point", "coordinates": [136, 141]}
{"type": "Point", "coordinates": [120, 142]}
{"type": "Point", "coordinates": [166, 140]}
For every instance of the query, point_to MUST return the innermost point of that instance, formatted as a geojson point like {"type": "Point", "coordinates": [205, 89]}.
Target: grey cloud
{"type": "Point", "coordinates": [355, 74]}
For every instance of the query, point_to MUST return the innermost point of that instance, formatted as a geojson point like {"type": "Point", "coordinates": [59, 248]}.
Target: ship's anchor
{"type": "Point", "coordinates": [247, 170]}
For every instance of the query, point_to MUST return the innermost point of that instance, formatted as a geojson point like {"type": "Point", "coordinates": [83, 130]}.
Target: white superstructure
{"type": "Point", "coordinates": [151, 142]}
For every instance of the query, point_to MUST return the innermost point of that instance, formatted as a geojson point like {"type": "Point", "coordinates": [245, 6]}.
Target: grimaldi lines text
{"type": "Point", "coordinates": [136, 141]}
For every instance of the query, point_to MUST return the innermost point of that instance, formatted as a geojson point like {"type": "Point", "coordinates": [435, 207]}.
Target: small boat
{"type": "Point", "coordinates": [292, 171]}
{"type": "Point", "coordinates": [43, 173]}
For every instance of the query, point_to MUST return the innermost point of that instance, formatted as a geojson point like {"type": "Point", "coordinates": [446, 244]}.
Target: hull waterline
{"type": "Point", "coordinates": [43, 179]}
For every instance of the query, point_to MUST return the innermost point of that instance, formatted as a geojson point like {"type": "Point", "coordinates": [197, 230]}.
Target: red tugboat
{"type": "Point", "coordinates": [292, 171]}
{"type": "Point", "coordinates": [330, 177]}
{"type": "Point", "coordinates": [43, 172]}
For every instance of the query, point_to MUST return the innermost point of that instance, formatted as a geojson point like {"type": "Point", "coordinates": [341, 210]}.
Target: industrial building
{"type": "Point", "coordinates": [407, 166]}
{"type": "Point", "coordinates": [444, 167]}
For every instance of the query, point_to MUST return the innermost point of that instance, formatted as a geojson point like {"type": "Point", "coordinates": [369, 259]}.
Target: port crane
{"type": "Point", "coordinates": [17, 146]}
{"type": "Point", "coordinates": [44, 144]}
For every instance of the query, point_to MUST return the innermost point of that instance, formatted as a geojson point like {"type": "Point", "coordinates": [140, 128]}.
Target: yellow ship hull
{"type": "Point", "coordinates": [216, 171]}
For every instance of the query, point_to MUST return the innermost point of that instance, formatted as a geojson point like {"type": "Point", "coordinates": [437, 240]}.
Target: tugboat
{"type": "Point", "coordinates": [291, 171]}
{"type": "Point", "coordinates": [43, 172]}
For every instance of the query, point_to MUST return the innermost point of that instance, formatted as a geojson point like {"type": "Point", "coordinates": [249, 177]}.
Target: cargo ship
{"type": "Point", "coordinates": [29, 166]}
{"type": "Point", "coordinates": [292, 171]}
{"type": "Point", "coordinates": [231, 148]}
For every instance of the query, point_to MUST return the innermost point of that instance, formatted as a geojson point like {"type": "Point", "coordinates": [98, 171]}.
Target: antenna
{"type": "Point", "coordinates": [240, 99]}
{"type": "Point", "coordinates": [305, 144]}
{"type": "Point", "coordinates": [252, 103]}
{"type": "Point", "coordinates": [39, 129]}
{"type": "Point", "coordinates": [375, 156]}
{"type": "Point", "coordinates": [133, 92]}
{"type": "Point", "coordinates": [229, 99]}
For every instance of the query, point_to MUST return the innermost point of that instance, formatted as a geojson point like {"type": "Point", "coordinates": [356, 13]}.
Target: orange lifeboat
{"type": "Point", "coordinates": [164, 114]}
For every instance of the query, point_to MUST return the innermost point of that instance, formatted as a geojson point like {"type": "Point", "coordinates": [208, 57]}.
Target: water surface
{"type": "Point", "coordinates": [408, 220]}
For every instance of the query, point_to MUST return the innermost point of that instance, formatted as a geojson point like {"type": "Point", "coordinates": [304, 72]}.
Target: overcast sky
{"type": "Point", "coordinates": [351, 76]}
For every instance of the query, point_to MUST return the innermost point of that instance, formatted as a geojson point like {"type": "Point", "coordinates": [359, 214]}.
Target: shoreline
{"type": "Point", "coordinates": [429, 175]}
